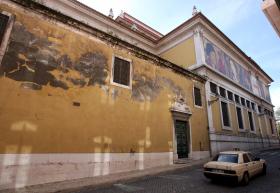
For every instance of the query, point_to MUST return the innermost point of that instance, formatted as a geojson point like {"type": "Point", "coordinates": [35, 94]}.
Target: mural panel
{"type": "Point", "coordinates": [223, 63]}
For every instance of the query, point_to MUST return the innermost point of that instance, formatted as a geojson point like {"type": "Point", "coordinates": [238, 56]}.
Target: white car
{"type": "Point", "coordinates": [238, 166]}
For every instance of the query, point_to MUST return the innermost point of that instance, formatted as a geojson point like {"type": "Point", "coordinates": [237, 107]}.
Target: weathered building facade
{"type": "Point", "coordinates": [77, 102]}
{"type": "Point", "coordinates": [83, 95]}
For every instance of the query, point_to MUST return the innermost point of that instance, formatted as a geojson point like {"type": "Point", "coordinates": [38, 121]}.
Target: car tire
{"type": "Point", "coordinates": [245, 179]}
{"type": "Point", "coordinates": [264, 170]}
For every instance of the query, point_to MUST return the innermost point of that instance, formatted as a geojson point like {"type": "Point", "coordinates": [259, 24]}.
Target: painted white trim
{"type": "Point", "coordinates": [7, 33]}
{"type": "Point", "coordinates": [130, 73]}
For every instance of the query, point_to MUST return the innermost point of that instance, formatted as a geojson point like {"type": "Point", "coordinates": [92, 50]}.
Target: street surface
{"type": "Point", "coordinates": [192, 181]}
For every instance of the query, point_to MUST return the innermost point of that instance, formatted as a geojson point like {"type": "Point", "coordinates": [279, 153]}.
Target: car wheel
{"type": "Point", "coordinates": [245, 179]}
{"type": "Point", "coordinates": [264, 170]}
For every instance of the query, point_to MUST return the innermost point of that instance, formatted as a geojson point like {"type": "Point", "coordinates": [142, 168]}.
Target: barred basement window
{"type": "Point", "coordinates": [3, 25]}
{"type": "Point", "coordinates": [197, 97]}
{"type": "Point", "coordinates": [239, 117]}
{"type": "Point", "coordinates": [251, 122]}
{"type": "Point", "coordinates": [225, 114]}
{"type": "Point", "coordinates": [121, 71]}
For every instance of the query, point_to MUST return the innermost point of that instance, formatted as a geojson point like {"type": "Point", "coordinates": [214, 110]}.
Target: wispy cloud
{"type": "Point", "coordinates": [228, 13]}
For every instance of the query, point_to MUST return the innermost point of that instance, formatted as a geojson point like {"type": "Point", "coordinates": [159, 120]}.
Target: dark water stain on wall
{"type": "Point", "coordinates": [32, 59]}
{"type": "Point", "coordinates": [145, 88]}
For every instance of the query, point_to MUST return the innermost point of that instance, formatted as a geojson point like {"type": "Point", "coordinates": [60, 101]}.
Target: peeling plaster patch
{"type": "Point", "coordinates": [93, 66]}
{"type": "Point", "coordinates": [31, 85]}
{"type": "Point", "coordinates": [32, 59]}
{"type": "Point", "coordinates": [147, 89]}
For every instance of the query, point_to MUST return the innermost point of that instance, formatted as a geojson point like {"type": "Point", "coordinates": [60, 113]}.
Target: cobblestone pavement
{"type": "Point", "coordinates": [192, 180]}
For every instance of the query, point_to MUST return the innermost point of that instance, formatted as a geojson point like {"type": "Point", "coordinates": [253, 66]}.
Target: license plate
{"type": "Point", "coordinates": [218, 171]}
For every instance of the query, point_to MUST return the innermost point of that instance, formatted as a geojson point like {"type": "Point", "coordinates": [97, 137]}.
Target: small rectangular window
{"type": "Point", "coordinates": [246, 158]}
{"type": "Point", "coordinates": [239, 117]}
{"type": "Point", "coordinates": [197, 97]}
{"type": "Point", "coordinates": [248, 104]}
{"type": "Point", "coordinates": [251, 122]}
{"type": "Point", "coordinates": [121, 71]}
{"type": "Point", "coordinates": [242, 101]}
{"type": "Point", "coordinates": [225, 114]}
{"type": "Point", "coordinates": [230, 95]}
{"type": "Point", "coordinates": [222, 92]}
{"type": "Point", "coordinates": [3, 25]}
{"type": "Point", "coordinates": [213, 88]}
{"type": "Point", "coordinates": [237, 99]}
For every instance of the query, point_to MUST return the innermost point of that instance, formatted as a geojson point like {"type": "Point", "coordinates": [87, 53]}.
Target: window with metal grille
{"type": "Point", "coordinates": [225, 114]}
{"type": "Point", "coordinates": [121, 71]}
{"type": "Point", "coordinates": [239, 117]}
{"type": "Point", "coordinates": [197, 97]}
{"type": "Point", "coordinates": [251, 122]}
{"type": "Point", "coordinates": [3, 24]}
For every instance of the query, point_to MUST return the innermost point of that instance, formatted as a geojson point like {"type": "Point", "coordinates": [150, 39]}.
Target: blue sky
{"type": "Point", "coordinates": [241, 20]}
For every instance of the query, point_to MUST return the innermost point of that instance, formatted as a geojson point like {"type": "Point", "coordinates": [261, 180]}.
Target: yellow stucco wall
{"type": "Point", "coordinates": [37, 95]}
{"type": "Point", "coordinates": [182, 54]}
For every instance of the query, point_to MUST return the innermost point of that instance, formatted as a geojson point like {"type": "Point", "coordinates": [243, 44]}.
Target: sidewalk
{"type": "Point", "coordinates": [60, 187]}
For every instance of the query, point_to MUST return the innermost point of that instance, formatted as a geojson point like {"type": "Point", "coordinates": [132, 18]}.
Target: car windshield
{"type": "Point", "coordinates": [231, 158]}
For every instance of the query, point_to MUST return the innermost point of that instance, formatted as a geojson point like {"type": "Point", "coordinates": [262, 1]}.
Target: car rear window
{"type": "Point", "coordinates": [231, 158]}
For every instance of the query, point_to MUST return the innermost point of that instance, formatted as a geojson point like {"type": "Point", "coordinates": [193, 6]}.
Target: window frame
{"type": "Point", "coordinates": [130, 73]}
{"type": "Point", "coordinates": [229, 116]}
{"type": "Point", "coordinates": [7, 33]}
{"type": "Point", "coordinates": [195, 87]}
{"type": "Point", "coordinates": [242, 116]}
{"type": "Point", "coordinates": [253, 121]}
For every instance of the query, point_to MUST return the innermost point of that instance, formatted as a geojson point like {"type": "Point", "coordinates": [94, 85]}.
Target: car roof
{"type": "Point", "coordinates": [233, 152]}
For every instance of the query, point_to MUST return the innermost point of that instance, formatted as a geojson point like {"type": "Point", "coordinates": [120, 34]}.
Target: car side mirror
{"type": "Point", "coordinates": [257, 159]}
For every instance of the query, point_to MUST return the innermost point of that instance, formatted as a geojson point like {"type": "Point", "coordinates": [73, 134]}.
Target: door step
{"type": "Point", "coordinates": [183, 161]}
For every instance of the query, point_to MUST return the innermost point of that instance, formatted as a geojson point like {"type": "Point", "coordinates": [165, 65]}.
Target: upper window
{"type": "Point", "coordinates": [237, 99]}
{"type": "Point", "coordinates": [230, 95]}
{"type": "Point", "coordinates": [246, 159]}
{"type": "Point", "coordinates": [3, 25]}
{"type": "Point", "coordinates": [242, 101]}
{"type": "Point", "coordinates": [121, 71]}
{"type": "Point", "coordinates": [248, 104]}
{"type": "Point", "coordinates": [253, 106]}
{"type": "Point", "coordinates": [225, 114]}
{"type": "Point", "coordinates": [259, 109]}
{"type": "Point", "coordinates": [222, 92]}
{"type": "Point", "coordinates": [251, 121]}
{"type": "Point", "coordinates": [239, 117]}
{"type": "Point", "coordinates": [213, 88]}
{"type": "Point", "coordinates": [197, 97]}
{"type": "Point", "coordinates": [271, 126]}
